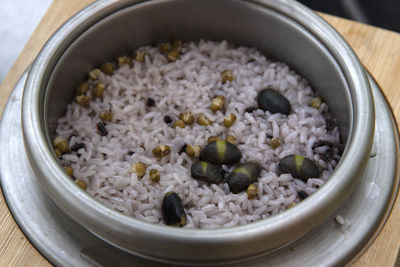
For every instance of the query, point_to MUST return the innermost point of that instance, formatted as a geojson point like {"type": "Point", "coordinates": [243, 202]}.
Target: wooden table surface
{"type": "Point", "coordinates": [378, 49]}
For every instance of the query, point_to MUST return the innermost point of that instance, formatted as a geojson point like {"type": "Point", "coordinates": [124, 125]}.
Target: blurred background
{"type": "Point", "coordinates": [19, 18]}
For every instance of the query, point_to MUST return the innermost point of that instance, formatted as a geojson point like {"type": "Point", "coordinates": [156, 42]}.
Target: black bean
{"type": "Point", "coordinates": [299, 166]}
{"type": "Point", "coordinates": [102, 129]}
{"type": "Point", "coordinates": [273, 101]}
{"type": "Point", "coordinates": [207, 172]}
{"type": "Point", "coordinates": [268, 138]}
{"type": "Point", "coordinates": [172, 209]}
{"type": "Point", "coordinates": [167, 119]}
{"type": "Point", "coordinates": [250, 109]}
{"type": "Point", "coordinates": [150, 102]}
{"type": "Point", "coordinates": [242, 176]}
{"type": "Point", "coordinates": [302, 194]}
{"type": "Point", "coordinates": [223, 172]}
{"type": "Point", "coordinates": [329, 153]}
{"type": "Point", "coordinates": [202, 158]}
{"type": "Point", "coordinates": [221, 152]}
{"type": "Point", "coordinates": [183, 149]}
{"type": "Point", "coordinates": [75, 147]}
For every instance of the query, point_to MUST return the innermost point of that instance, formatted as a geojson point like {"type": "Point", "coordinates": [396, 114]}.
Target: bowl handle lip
{"type": "Point", "coordinates": [42, 159]}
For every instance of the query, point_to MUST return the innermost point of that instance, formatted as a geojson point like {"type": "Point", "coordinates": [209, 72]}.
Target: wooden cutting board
{"type": "Point", "coordinates": [378, 49]}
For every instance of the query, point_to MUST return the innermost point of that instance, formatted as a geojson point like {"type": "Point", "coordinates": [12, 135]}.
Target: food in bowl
{"type": "Point", "coordinates": [160, 129]}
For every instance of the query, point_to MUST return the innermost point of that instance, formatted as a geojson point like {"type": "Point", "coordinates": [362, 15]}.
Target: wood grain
{"type": "Point", "coordinates": [15, 249]}
{"type": "Point", "coordinates": [377, 49]}
{"type": "Point", "coordinates": [378, 52]}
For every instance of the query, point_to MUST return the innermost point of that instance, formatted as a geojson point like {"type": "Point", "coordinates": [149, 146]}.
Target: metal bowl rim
{"type": "Point", "coordinates": [357, 149]}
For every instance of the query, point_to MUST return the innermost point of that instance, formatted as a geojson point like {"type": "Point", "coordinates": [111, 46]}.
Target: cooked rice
{"type": "Point", "coordinates": [189, 84]}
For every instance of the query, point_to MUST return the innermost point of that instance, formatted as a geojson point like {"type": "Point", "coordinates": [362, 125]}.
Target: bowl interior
{"type": "Point", "coordinates": [121, 28]}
